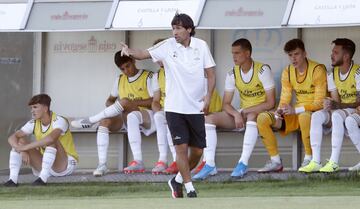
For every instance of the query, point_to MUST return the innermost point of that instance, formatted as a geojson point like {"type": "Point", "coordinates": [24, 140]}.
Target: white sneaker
{"type": "Point", "coordinates": [271, 166]}
{"type": "Point", "coordinates": [82, 123]}
{"type": "Point", "coordinates": [355, 167]}
{"type": "Point", "coordinates": [100, 170]}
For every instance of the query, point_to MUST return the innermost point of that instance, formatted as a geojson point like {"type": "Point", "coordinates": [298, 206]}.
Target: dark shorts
{"type": "Point", "coordinates": [187, 129]}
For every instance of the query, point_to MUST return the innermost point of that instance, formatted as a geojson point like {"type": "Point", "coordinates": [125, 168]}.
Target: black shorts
{"type": "Point", "coordinates": [187, 129]}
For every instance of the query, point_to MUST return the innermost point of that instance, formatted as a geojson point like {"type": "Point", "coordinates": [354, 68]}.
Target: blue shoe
{"type": "Point", "coordinates": [205, 172]}
{"type": "Point", "coordinates": [239, 171]}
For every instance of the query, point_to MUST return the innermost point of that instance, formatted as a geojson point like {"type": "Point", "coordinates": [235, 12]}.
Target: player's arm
{"type": "Point", "coordinates": [46, 141]}
{"type": "Point", "coordinates": [155, 105]}
{"type": "Point", "coordinates": [210, 74]}
{"type": "Point", "coordinates": [320, 83]}
{"type": "Point", "coordinates": [286, 89]}
{"type": "Point", "coordinates": [14, 139]}
{"type": "Point", "coordinates": [138, 54]}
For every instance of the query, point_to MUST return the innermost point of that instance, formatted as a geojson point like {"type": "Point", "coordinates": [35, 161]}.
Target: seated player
{"type": "Point", "coordinates": [52, 154]}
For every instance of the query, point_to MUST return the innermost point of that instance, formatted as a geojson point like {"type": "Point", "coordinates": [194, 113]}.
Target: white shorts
{"type": "Point", "coordinates": [145, 131]}
{"type": "Point", "coordinates": [71, 166]}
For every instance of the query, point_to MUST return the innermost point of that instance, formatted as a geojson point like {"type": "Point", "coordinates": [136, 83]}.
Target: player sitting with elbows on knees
{"type": "Point", "coordinates": [130, 101]}
{"type": "Point", "coordinates": [52, 154]}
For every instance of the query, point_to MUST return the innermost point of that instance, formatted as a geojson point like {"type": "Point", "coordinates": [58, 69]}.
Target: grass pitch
{"type": "Point", "coordinates": [329, 192]}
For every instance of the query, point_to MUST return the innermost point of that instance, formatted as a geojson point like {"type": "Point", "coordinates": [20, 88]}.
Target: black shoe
{"type": "Point", "coordinates": [192, 194]}
{"type": "Point", "coordinates": [10, 183]}
{"type": "Point", "coordinates": [176, 188]}
{"type": "Point", "coordinates": [38, 182]}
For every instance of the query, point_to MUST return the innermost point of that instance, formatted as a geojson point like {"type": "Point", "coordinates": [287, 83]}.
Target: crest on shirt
{"type": "Point", "coordinates": [175, 55]}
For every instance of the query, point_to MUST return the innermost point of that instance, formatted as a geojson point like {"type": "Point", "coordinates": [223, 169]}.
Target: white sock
{"type": "Point", "coordinates": [171, 144]}
{"type": "Point", "coordinates": [102, 140]}
{"type": "Point", "coordinates": [308, 157]}
{"type": "Point", "coordinates": [161, 134]}
{"type": "Point", "coordinates": [211, 141]}
{"type": "Point", "coordinates": [276, 158]}
{"type": "Point", "coordinates": [14, 165]}
{"type": "Point", "coordinates": [47, 162]}
{"type": "Point", "coordinates": [178, 178]}
{"type": "Point", "coordinates": [337, 135]}
{"type": "Point", "coordinates": [189, 187]}
{"type": "Point", "coordinates": [134, 119]}
{"type": "Point", "coordinates": [352, 125]}
{"type": "Point", "coordinates": [109, 112]}
{"type": "Point", "coordinates": [250, 137]}
{"type": "Point", "coordinates": [318, 119]}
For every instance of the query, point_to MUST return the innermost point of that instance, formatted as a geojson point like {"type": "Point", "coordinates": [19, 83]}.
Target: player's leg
{"type": "Point", "coordinates": [250, 138]}
{"type": "Point", "coordinates": [102, 141]}
{"type": "Point", "coordinates": [172, 169]}
{"type": "Point", "coordinates": [219, 119]}
{"type": "Point", "coordinates": [352, 124]}
{"type": "Point", "coordinates": [109, 112]}
{"type": "Point", "coordinates": [304, 123]}
{"type": "Point", "coordinates": [135, 119]}
{"type": "Point", "coordinates": [337, 135]}
{"type": "Point", "coordinates": [319, 119]}
{"type": "Point", "coordinates": [162, 142]}
{"type": "Point", "coordinates": [266, 122]}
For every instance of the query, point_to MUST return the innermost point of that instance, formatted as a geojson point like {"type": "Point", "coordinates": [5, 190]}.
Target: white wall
{"type": "Point", "coordinates": [318, 42]}
{"type": "Point", "coordinates": [267, 47]}
{"type": "Point", "coordinates": [80, 70]}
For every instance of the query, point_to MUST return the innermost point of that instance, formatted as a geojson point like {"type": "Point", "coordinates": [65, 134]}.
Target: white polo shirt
{"type": "Point", "coordinates": [185, 74]}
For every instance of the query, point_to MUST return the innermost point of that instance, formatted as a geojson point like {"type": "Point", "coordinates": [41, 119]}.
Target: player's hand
{"type": "Point", "coordinates": [124, 49]}
{"type": "Point", "coordinates": [206, 99]}
{"type": "Point", "coordinates": [25, 158]}
{"type": "Point", "coordinates": [288, 110]}
{"type": "Point", "coordinates": [239, 120]}
{"type": "Point", "coordinates": [327, 103]}
{"type": "Point", "coordinates": [20, 148]}
{"type": "Point", "coordinates": [279, 114]}
{"type": "Point", "coordinates": [358, 110]}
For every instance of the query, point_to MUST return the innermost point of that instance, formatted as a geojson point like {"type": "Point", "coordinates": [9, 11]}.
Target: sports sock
{"type": "Point", "coordinates": [178, 178]}
{"type": "Point", "coordinates": [14, 165]}
{"type": "Point", "coordinates": [171, 144]}
{"type": "Point", "coordinates": [211, 141]}
{"type": "Point", "coordinates": [161, 134]}
{"type": "Point", "coordinates": [102, 140]}
{"type": "Point", "coordinates": [47, 162]}
{"type": "Point", "coordinates": [250, 137]}
{"type": "Point", "coordinates": [189, 187]}
{"type": "Point", "coordinates": [276, 159]}
{"type": "Point", "coordinates": [109, 112]}
{"type": "Point", "coordinates": [318, 119]}
{"type": "Point", "coordinates": [134, 119]}
{"type": "Point", "coordinates": [337, 135]}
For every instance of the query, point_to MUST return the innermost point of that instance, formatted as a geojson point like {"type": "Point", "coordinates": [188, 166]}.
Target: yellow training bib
{"type": "Point", "coordinates": [346, 88]}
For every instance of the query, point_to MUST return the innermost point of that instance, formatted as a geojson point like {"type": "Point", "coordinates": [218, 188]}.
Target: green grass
{"type": "Point", "coordinates": [331, 185]}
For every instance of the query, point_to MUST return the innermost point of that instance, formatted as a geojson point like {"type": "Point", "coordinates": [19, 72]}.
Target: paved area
{"type": "Point", "coordinates": [223, 176]}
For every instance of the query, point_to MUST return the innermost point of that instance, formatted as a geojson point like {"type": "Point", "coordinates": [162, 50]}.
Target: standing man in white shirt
{"type": "Point", "coordinates": [186, 61]}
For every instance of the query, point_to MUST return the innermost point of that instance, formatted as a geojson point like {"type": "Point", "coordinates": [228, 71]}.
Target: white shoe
{"type": "Point", "coordinates": [100, 170]}
{"type": "Point", "coordinates": [82, 123]}
{"type": "Point", "coordinates": [355, 167]}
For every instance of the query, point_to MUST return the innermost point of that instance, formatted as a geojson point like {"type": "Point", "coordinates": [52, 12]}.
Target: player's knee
{"type": "Point", "coordinates": [338, 116]}
{"type": "Point", "coordinates": [210, 119]}
{"type": "Point", "coordinates": [351, 123]}
{"type": "Point", "coordinates": [125, 103]}
{"type": "Point", "coordinates": [134, 117]}
{"type": "Point", "coordinates": [264, 119]}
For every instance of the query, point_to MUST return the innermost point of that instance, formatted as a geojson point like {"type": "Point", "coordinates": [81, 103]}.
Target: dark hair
{"type": "Point", "coordinates": [294, 44]}
{"type": "Point", "coordinates": [185, 21]}
{"type": "Point", "coordinates": [119, 60]}
{"type": "Point", "coordinates": [347, 45]}
{"type": "Point", "coordinates": [243, 43]}
{"type": "Point", "coordinates": [43, 99]}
